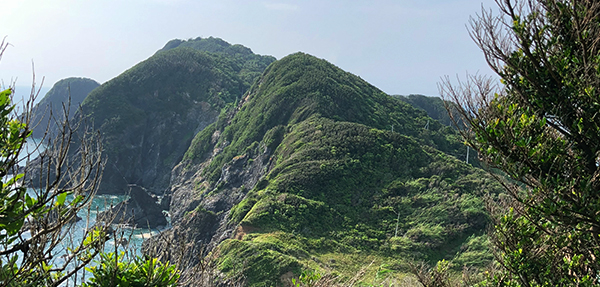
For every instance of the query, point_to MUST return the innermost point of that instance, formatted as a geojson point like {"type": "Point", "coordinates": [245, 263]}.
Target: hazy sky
{"type": "Point", "coordinates": [400, 46]}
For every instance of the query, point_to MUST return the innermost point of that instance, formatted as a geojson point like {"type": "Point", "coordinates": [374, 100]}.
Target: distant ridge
{"type": "Point", "coordinates": [434, 106]}
{"type": "Point", "coordinates": [70, 90]}
{"type": "Point", "coordinates": [252, 64]}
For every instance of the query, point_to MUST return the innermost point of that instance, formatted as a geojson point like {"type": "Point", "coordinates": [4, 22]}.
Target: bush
{"type": "Point", "coordinates": [112, 270]}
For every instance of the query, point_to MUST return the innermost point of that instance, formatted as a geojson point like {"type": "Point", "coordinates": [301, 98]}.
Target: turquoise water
{"type": "Point", "coordinates": [73, 235]}
{"type": "Point", "coordinates": [129, 239]}
{"type": "Point", "coordinates": [134, 236]}
{"type": "Point", "coordinates": [99, 203]}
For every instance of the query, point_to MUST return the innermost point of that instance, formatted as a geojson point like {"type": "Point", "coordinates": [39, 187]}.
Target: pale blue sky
{"type": "Point", "coordinates": [401, 46]}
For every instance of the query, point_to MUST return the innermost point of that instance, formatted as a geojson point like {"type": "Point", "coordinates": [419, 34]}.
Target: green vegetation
{"type": "Point", "coordinates": [35, 224]}
{"type": "Point", "coordinates": [115, 270]}
{"type": "Point", "coordinates": [149, 114]}
{"type": "Point", "coordinates": [541, 129]}
{"type": "Point", "coordinates": [193, 75]}
{"type": "Point", "coordinates": [251, 65]}
{"type": "Point", "coordinates": [37, 242]}
{"type": "Point", "coordinates": [338, 182]}
{"type": "Point", "coordinates": [307, 278]}
{"type": "Point", "coordinates": [299, 86]}
{"type": "Point", "coordinates": [13, 135]}
{"type": "Point", "coordinates": [259, 260]}
{"type": "Point", "coordinates": [347, 187]}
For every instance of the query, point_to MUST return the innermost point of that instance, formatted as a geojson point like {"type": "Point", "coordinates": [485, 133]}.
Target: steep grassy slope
{"type": "Point", "coordinates": [149, 114]}
{"type": "Point", "coordinates": [306, 173]}
{"type": "Point", "coordinates": [65, 91]}
{"type": "Point", "coordinates": [300, 86]}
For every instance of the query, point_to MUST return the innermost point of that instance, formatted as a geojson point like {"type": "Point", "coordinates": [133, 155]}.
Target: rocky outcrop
{"type": "Point", "coordinates": [188, 239]}
{"type": "Point", "coordinates": [237, 178]}
{"type": "Point", "coordinates": [140, 210]}
{"type": "Point", "coordinates": [203, 216]}
{"type": "Point", "coordinates": [145, 152]}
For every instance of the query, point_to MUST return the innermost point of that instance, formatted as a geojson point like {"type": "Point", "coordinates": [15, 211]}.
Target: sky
{"type": "Point", "coordinates": [400, 46]}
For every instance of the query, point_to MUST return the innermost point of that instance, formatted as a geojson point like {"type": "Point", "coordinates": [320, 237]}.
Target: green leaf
{"type": "Point", "coordinates": [29, 201]}
{"type": "Point", "coordinates": [60, 199]}
{"type": "Point", "coordinates": [14, 227]}
{"type": "Point", "coordinates": [76, 200]}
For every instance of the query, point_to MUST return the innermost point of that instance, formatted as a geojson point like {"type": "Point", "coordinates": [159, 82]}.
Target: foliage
{"type": "Point", "coordinates": [299, 86]}
{"type": "Point", "coordinates": [26, 258]}
{"type": "Point", "coordinates": [312, 278]}
{"type": "Point", "coordinates": [14, 199]}
{"type": "Point", "coordinates": [113, 270]}
{"type": "Point", "coordinates": [308, 278]}
{"type": "Point", "coordinates": [35, 224]}
{"type": "Point", "coordinates": [440, 276]}
{"type": "Point", "coordinates": [262, 263]}
{"type": "Point", "coordinates": [541, 129]}
{"type": "Point", "coordinates": [149, 114]}
{"type": "Point", "coordinates": [335, 179]}
{"type": "Point", "coordinates": [349, 182]}
{"type": "Point", "coordinates": [252, 65]}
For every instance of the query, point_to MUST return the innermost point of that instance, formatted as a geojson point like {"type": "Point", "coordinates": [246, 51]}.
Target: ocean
{"type": "Point", "coordinates": [129, 239]}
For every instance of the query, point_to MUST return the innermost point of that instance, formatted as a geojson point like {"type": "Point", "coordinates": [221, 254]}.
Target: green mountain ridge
{"type": "Point", "coordinates": [305, 171]}
{"type": "Point", "coordinates": [275, 167]}
{"type": "Point", "coordinates": [251, 65]}
{"type": "Point", "coordinates": [342, 97]}
{"type": "Point", "coordinates": [149, 114]}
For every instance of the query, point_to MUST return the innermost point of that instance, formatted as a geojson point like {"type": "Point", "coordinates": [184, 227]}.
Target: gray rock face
{"type": "Point", "coordinates": [139, 210]}
{"type": "Point", "coordinates": [188, 239]}
{"type": "Point", "coordinates": [200, 218]}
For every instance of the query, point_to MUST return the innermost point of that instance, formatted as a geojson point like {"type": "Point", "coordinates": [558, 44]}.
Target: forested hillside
{"type": "Point", "coordinates": [221, 167]}
{"type": "Point", "coordinates": [305, 173]}
{"type": "Point", "coordinates": [276, 167]}
{"type": "Point", "coordinates": [149, 114]}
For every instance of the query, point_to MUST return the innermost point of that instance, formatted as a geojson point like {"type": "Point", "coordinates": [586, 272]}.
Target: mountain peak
{"type": "Point", "coordinates": [211, 45]}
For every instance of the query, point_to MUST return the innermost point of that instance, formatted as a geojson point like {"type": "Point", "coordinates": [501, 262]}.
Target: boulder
{"type": "Point", "coordinates": [140, 210]}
